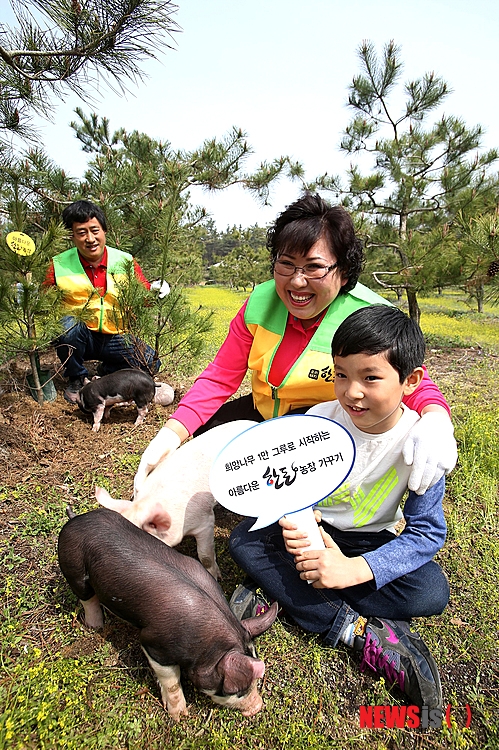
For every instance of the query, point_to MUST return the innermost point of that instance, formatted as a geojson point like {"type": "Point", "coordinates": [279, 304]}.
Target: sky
{"type": "Point", "coordinates": [280, 70]}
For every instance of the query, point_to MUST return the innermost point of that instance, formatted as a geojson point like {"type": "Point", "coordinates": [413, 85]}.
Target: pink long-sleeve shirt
{"type": "Point", "coordinates": [221, 379]}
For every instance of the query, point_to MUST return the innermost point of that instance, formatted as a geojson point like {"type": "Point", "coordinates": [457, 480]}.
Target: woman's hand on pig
{"type": "Point", "coordinates": [166, 442]}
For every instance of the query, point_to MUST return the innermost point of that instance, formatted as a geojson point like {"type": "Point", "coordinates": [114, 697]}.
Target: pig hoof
{"type": "Point", "coordinates": [96, 428]}
{"type": "Point", "coordinates": [211, 567]}
{"type": "Point", "coordinates": [177, 715]}
{"type": "Point", "coordinates": [215, 572]}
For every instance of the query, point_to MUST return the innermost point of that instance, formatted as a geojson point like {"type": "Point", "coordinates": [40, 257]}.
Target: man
{"type": "Point", "coordinates": [87, 275]}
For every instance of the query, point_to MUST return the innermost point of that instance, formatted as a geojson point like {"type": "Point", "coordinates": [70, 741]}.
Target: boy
{"type": "Point", "coordinates": [368, 583]}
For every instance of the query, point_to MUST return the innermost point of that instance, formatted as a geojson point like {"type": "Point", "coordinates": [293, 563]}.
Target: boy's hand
{"type": "Point", "coordinates": [330, 568]}
{"type": "Point", "coordinates": [294, 540]}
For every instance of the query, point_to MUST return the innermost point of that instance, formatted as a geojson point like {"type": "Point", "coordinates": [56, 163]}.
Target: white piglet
{"type": "Point", "coordinates": [175, 499]}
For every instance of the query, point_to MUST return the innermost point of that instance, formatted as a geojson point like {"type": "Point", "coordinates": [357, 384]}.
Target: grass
{"type": "Point", "coordinates": [65, 687]}
{"type": "Point", "coordinates": [448, 321]}
{"type": "Point", "coordinates": [225, 303]}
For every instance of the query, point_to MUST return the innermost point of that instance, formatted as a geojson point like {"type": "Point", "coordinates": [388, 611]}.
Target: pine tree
{"type": "Point", "coordinates": [422, 174]}
{"type": "Point", "coordinates": [143, 186]}
{"type": "Point", "coordinates": [247, 263]}
{"type": "Point", "coordinates": [62, 45]}
{"type": "Point", "coordinates": [476, 245]}
{"type": "Point", "coordinates": [29, 314]}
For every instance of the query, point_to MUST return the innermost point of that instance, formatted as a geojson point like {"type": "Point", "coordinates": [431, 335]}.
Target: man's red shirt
{"type": "Point", "coordinates": [97, 276]}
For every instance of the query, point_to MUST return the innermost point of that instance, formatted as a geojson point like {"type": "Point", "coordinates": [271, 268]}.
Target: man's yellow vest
{"type": "Point", "coordinates": [311, 379]}
{"type": "Point", "coordinates": [80, 294]}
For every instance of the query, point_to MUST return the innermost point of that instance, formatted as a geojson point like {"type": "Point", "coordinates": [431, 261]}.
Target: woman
{"type": "Point", "coordinates": [283, 334]}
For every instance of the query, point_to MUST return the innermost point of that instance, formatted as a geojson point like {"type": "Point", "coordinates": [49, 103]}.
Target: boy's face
{"type": "Point", "coordinates": [369, 390]}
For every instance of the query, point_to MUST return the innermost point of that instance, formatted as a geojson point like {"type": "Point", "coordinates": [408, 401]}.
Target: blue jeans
{"type": "Point", "coordinates": [113, 350]}
{"type": "Point", "coordinates": [262, 555]}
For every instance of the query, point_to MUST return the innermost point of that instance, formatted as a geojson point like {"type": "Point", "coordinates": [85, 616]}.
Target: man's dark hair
{"type": "Point", "coordinates": [308, 219]}
{"type": "Point", "coordinates": [82, 211]}
{"type": "Point", "coordinates": [382, 329]}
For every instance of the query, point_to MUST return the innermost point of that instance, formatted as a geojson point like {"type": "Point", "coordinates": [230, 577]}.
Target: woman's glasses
{"type": "Point", "coordinates": [309, 270]}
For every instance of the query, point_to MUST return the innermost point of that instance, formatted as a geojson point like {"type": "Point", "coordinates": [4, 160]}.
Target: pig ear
{"type": "Point", "coordinates": [257, 625]}
{"type": "Point", "coordinates": [157, 522]}
{"type": "Point", "coordinates": [240, 671]}
{"type": "Point", "coordinates": [105, 499]}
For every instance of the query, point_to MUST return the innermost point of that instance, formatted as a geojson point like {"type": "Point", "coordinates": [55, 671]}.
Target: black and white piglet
{"type": "Point", "coordinates": [184, 620]}
{"type": "Point", "coordinates": [122, 386]}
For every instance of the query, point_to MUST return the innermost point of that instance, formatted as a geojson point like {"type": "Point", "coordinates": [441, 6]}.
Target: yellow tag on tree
{"type": "Point", "coordinates": [20, 243]}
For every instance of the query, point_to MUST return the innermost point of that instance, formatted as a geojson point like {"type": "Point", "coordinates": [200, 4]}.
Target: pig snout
{"type": "Point", "coordinates": [252, 703]}
{"type": "Point", "coordinates": [238, 687]}
{"type": "Point", "coordinates": [249, 704]}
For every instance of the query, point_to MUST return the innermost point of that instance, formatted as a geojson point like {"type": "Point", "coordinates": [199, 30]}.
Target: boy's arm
{"type": "Point", "coordinates": [423, 536]}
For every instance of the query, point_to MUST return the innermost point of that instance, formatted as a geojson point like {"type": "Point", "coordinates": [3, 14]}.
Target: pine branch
{"type": "Point", "coordinates": [75, 45]}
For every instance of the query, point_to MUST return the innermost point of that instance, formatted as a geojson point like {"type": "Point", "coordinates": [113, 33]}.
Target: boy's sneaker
{"type": "Point", "coordinates": [245, 602]}
{"type": "Point", "coordinates": [74, 385]}
{"type": "Point", "coordinates": [391, 649]}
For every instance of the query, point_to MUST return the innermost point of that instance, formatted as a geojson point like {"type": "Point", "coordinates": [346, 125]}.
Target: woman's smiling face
{"type": "Point", "coordinates": [308, 298]}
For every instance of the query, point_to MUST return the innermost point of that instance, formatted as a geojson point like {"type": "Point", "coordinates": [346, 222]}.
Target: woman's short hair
{"type": "Point", "coordinates": [308, 219]}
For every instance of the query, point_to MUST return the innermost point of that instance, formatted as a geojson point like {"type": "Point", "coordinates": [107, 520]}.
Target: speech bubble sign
{"type": "Point", "coordinates": [281, 466]}
{"type": "Point", "coordinates": [20, 243]}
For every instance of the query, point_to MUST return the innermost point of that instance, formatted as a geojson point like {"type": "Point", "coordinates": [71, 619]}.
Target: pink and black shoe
{"type": "Point", "coordinates": [391, 649]}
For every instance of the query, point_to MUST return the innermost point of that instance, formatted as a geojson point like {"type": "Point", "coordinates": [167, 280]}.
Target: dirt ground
{"type": "Point", "coordinates": [45, 443]}
{"type": "Point", "coordinates": [51, 447]}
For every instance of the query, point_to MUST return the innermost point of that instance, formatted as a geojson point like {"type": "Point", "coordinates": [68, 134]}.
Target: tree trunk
{"type": "Point", "coordinates": [414, 311]}
{"type": "Point", "coordinates": [479, 297]}
{"type": "Point", "coordinates": [36, 377]}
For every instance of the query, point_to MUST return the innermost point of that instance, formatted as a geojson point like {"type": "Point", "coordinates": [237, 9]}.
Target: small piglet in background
{"type": "Point", "coordinates": [184, 620]}
{"type": "Point", "coordinates": [122, 387]}
{"type": "Point", "coordinates": [175, 500]}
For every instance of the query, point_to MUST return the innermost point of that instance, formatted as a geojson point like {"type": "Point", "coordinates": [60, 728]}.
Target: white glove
{"type": "Point", "coordinates": [431, 449]}
{"type": "Point", "coordinates": [163, 286]}
{"type": "Point", "coordinates": [166, 441]}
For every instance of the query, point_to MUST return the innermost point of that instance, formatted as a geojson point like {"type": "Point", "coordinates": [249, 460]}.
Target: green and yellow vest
{"type": "Point", "coordinates": [80, 294]}
{"type": "Point", "coordinates": [311, 379]}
